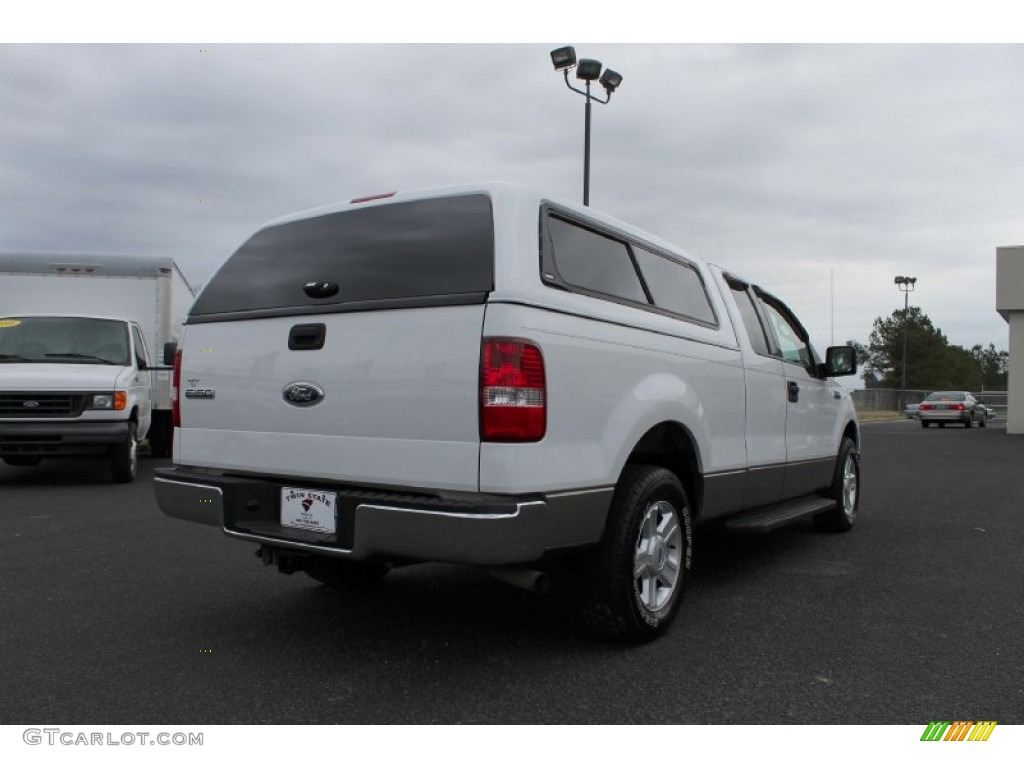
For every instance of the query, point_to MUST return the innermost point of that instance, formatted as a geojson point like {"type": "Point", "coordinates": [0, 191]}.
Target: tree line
{"type": "Point", "coordinates": [932, 362]}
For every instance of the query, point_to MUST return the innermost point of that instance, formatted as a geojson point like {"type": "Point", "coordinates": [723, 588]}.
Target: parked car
{"type": "Point", "coordinates": [990, 412]}
{"type": "Point", "coordinates": [958, 407]}
{"type": "Point", "coordinates": [912, 410]}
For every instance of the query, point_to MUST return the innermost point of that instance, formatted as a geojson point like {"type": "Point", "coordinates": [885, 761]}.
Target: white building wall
{"type": "Point", "coordinates": [1010, 304]}
{"type": "Point", "coordinates": [1015, 385]}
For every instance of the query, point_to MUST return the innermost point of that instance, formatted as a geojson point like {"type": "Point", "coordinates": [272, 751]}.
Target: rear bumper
{"type": "Point", "coordinates": [372, 525]}
{"type": "Point", "coordinates": [60, 438]}
{"type": "Point", "coordinates": [961, 416]}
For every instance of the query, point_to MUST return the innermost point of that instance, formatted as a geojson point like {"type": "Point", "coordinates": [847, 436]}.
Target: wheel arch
{"type": "Point", "coordinates": [671, 446]}
{"type": "Point", "coordinates": [852, 431]}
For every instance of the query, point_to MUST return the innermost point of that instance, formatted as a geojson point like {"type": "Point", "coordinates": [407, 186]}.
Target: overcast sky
{"type": "Point", "coordinates": [819, 171]}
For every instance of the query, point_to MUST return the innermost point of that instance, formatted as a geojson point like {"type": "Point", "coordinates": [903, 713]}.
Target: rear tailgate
{"type": "Point", "coordinates": [345, 347]}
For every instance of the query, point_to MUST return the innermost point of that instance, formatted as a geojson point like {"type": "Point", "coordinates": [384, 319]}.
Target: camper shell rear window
{"type": "Point", "coordinates": [409, 254]}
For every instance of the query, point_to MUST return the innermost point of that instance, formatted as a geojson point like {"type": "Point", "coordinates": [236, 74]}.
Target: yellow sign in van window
{"type": "Point", "coordinates": [9, 323]}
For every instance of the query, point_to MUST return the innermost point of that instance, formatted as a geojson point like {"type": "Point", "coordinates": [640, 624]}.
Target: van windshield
{"type": "Point", "coordinates": [397, 254]}
{"type": "Point", "coordinates": [86, 340]}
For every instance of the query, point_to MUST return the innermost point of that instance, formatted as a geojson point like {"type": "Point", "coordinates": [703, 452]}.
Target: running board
{"type": "Point", "coordinates": [764, 519]}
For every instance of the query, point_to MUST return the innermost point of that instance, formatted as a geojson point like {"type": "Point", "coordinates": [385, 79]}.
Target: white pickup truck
{"type": "Point", "coordinates": [490, 376]}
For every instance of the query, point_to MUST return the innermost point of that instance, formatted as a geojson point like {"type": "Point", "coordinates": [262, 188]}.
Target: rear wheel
{"type": "Point", "coordinates": [340, 574]}
{"type": "Point", "coordinates": [924, 424]}
{"type": "Point", "coordinates": [970, 420]}
{"type": "Point", "coordinates": [984, 420]}
{"type": "Point", "coordinates": [845, 491]}
{"type": "Point", "coordinates": [637, 574]}
{"type": "Point", "coordinates": [124, 457]}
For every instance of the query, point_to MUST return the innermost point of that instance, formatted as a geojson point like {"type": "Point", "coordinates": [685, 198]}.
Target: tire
{"type": "Point", "coordinates": [942, 424]}
{"type": "Point", "coordinates": [340, 574]}
{"type": "Point", "coordinates": [970, 420]}
{"type": "Point", "coordinates": [124, 457]}
{"type": "Point", "coordinates": [161, 435]}
{"type": "Point", "coordinates": [984, 421]}
{"type": "Point", "coordinates": [845, 491]}
{"type": "Point", "coordinates": [924, 424]}
{"type": "Point", "coordinates": [22, 461]}
{"type": "Point", "coordinates": [637, 575]}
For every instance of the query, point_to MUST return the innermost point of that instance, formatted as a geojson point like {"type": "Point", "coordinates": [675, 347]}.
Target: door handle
{"type": "Point", "coordinates": [307, 336]}
{"type": "Point", "coordinates": [794, 391]}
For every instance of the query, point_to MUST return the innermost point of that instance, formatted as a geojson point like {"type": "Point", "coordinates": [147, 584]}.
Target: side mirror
{"type": "Point", "coordinates": [170, 350]}
{"type": "Point", "coordinates": [840, 361]}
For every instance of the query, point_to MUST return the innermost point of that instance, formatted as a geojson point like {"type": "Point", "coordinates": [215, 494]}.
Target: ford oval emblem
{"type": "Point", "coordinates": [303, 394]}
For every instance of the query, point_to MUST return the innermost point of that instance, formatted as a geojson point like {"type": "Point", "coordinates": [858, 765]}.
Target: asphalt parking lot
{"type": "Point", "coordinates": [115, 614]}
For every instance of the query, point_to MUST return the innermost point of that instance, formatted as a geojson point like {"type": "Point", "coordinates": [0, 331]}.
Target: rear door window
{"type": "Point", "coordinates": [751, 319]}
{"type": "Point", "coordinates": [415, 253]}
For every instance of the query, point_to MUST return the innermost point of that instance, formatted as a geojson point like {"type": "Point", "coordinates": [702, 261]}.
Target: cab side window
{"type": "Point", "coordinates": [791, 338]}
{"type": "Point", "coordinates": [141, 357]}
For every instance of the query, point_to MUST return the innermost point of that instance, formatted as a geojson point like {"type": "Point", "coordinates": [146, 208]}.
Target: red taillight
{"type": "Point", "coordinates": [924, 407]}
{"type": "Point", "coordinates": [175, 389]}
{"type": "Point", "coordinates": [959, 406]}
{"type": "Point", "coordinates": [513, 396]}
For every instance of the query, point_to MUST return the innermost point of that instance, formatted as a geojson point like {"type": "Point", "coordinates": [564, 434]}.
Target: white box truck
{"type": "Point", "coordinates": [82, 342]}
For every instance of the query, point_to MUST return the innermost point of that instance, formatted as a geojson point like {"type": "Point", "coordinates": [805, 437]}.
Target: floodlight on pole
{"type": "Point", "coordinates": [587, 70]}
{"type": "Point", "coordinates": [906, 285]}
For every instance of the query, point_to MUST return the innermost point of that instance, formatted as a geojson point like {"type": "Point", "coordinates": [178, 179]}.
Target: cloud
{"type": "Point", "coordinates": [806, 167]}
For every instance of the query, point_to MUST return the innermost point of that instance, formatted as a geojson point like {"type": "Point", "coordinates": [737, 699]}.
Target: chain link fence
{"type": "Point", "coordinates": [896, 400]}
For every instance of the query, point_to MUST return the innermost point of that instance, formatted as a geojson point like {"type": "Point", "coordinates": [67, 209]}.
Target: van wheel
{"type": "Point", "coordinates": [637, 574]}
{"type": "Point", "coordinates": [845, 491]}
{"type": "Point", "coordinates": [124, 457]}
{"type": "Point", "coordinates": [339, 574]}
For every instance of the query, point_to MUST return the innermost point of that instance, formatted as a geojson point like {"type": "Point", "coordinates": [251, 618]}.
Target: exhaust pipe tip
{"type": "Point", "coordinates": [537, 582]}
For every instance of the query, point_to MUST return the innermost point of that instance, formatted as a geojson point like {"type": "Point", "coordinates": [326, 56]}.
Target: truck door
{"type": "Point", "coordinates": [810, 404]}
{"type": "Point", "coordinates": [766, 403]}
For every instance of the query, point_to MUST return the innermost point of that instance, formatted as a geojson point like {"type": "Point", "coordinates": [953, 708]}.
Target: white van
{"type": "Point", "coordinates": [79, 325]}
{"type": "Point", "coordinates": [73, 386]}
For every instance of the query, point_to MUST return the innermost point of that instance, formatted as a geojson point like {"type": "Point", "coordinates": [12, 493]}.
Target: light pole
{"type": "Point", "coordinates": [587, 70]}
{"type": "Point", "coordinates": [905, 284]}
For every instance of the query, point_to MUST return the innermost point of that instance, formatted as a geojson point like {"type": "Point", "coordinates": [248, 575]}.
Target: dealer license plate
{"type": "Point", "coordinates": [309, 509]}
